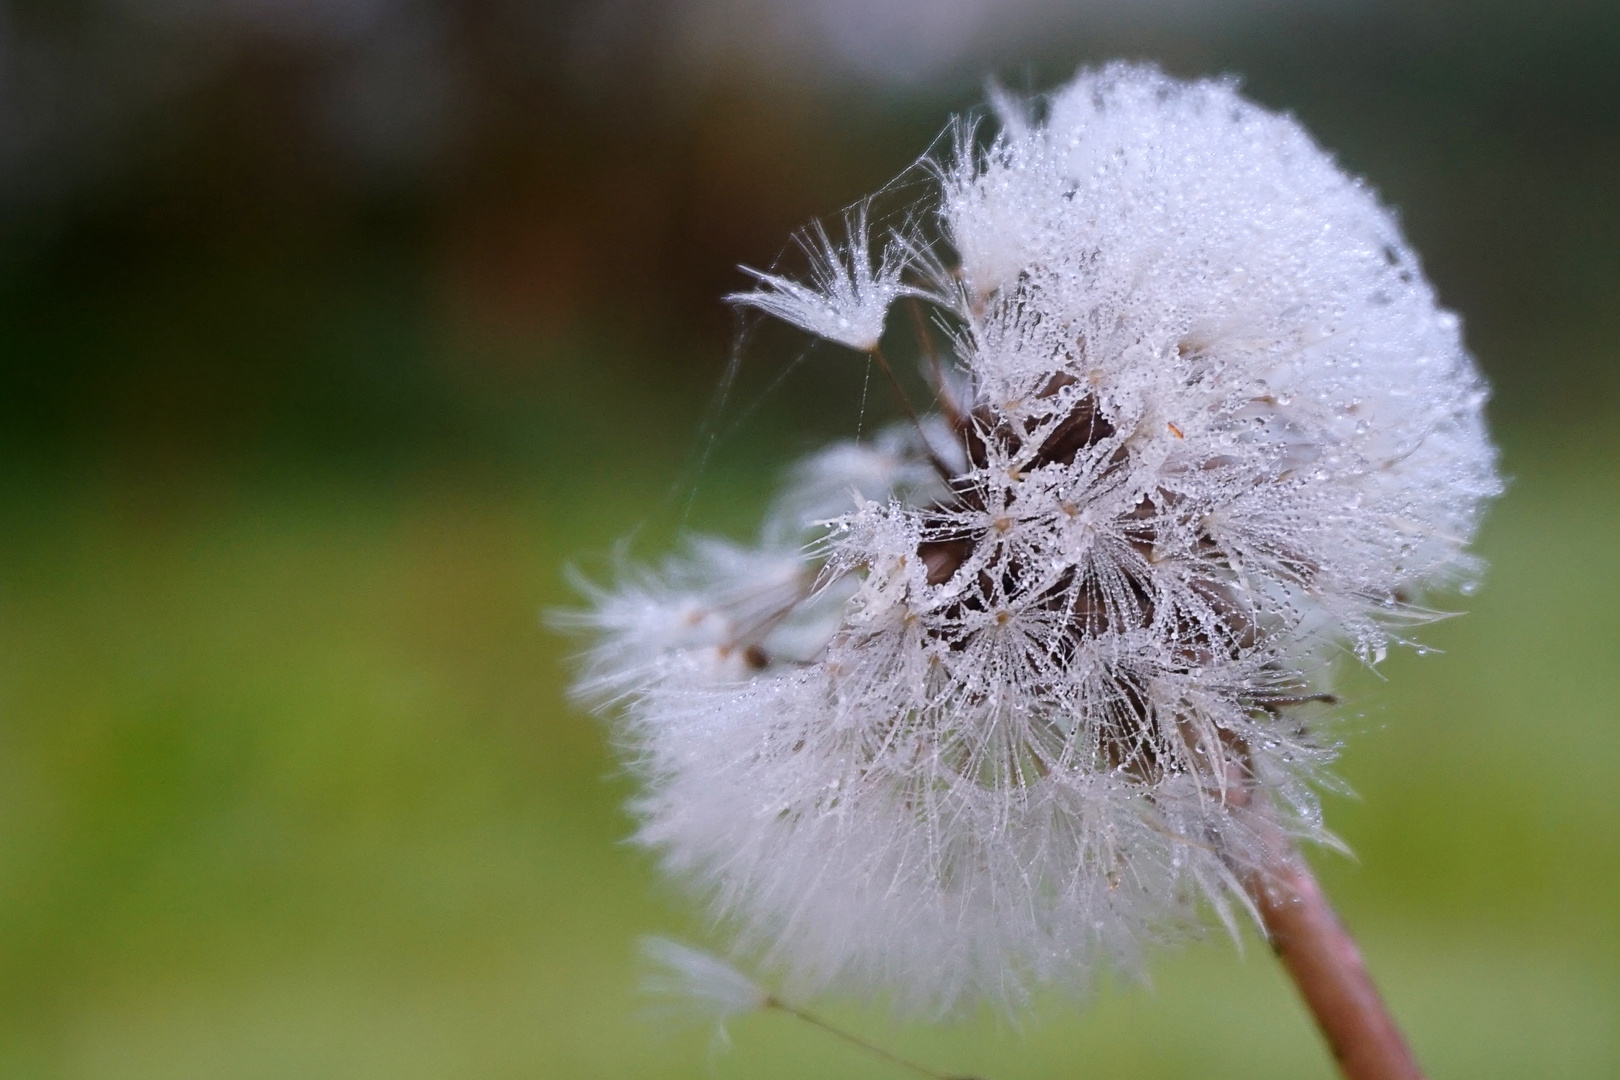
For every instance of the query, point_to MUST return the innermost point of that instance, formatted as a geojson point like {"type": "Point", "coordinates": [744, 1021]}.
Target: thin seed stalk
{"type": "Point", "coordinates": [855, 1040]}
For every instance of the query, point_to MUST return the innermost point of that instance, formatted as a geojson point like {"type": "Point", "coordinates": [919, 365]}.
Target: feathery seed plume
{"type": "Point", "coordinates": [693, 981]}
{"type": "Point", "coordinates": [846, 300]}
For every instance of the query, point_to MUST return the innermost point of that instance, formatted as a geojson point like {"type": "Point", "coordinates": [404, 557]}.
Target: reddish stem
{"type": "Point", "coordinates": [1332, 978]}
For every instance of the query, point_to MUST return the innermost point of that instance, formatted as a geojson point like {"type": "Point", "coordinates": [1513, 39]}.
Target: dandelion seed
{"type": "Point", "coordinates": [697, 985]}
{"type": "Point", "coordinates": [702, 985]}
{"type": "Point", "coordinates": [846, 300]}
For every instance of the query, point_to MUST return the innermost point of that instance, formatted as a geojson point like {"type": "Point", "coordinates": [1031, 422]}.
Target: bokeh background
{"type": "Point", "coordinates": [331, 331]}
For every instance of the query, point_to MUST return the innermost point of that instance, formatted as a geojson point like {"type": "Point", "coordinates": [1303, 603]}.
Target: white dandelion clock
{"type": "Point", "coordinates": [1042, 686]}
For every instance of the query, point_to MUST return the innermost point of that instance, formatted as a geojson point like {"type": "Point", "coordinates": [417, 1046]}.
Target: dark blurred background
{"type": "Point", "coordinates": [331, 331]}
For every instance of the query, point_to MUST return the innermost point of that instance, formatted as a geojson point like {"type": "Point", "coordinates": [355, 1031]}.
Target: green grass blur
{"type": "Point", "coordinates": [288, 788]}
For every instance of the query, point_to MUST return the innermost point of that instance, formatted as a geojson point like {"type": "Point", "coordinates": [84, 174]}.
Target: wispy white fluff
{"type": "Point", "coordinates": [892, 465]}
{"type": "Point", "coordinates": [698, 985]}
{"type": "Point", "coordinates": [994, 729]}
{"type": "Point", "coordinates": [846, 298]}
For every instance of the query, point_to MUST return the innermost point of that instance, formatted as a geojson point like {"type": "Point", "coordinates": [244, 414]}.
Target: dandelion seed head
{"type": "Point", "coordinates": [953, 737]}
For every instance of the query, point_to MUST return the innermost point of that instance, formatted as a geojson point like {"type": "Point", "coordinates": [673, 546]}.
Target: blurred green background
{"type": "Point", "coordinates": [331, 331]}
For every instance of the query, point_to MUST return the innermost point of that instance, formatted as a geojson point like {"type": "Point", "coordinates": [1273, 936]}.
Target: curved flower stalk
{"type": "Point", "coordinates": [992, 728]}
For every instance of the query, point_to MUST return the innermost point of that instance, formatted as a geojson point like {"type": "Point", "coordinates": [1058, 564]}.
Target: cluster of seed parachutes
{"type": "Point", "coordinates": [1017, 686]}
